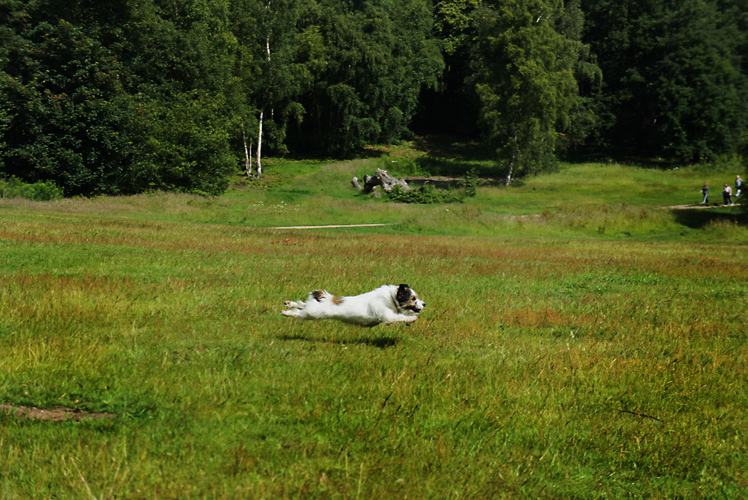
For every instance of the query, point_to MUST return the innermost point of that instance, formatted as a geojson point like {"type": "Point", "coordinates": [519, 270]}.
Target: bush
{"type": "Point", "coordinates": [429, 194]}
{"type": "Point", "coordinates": [38, 191]}
{"type": "Point", "coordinates": [402, 167]}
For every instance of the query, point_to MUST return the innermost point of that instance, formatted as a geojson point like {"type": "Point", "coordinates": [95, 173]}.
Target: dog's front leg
{"type": "Point", "coordinates": [400, 318]}
{"type": "Point", "coordinates": [296, 313]}
{"type": "Point", "coordinates": [294, 305]}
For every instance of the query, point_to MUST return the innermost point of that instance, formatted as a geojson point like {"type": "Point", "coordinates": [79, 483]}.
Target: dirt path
{"type": "Point", "coordinates": [58, 414]}
{"type": "Point", "coordinates": [674, 207]}
{"type": "Point", "coordinates": [329, 226]}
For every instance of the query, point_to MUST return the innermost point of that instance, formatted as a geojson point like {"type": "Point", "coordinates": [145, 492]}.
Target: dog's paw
{"type": "Point", "coordinates": [287, 303]}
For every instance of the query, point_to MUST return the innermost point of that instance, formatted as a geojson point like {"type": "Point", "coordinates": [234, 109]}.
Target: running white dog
{"type": "Point", "coordinates": [387, 304]}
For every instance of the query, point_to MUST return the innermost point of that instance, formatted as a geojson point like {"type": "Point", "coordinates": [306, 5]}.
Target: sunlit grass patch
{"type": "Point", "coordinates": [552, 358]}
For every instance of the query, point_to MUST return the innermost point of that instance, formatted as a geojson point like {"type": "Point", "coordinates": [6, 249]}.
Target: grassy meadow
{"type": "Point", "coordinates": [579, 340]}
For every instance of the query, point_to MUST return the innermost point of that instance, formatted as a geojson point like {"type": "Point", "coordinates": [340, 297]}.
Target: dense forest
{"type": "Point", "coordinates": [126, 96]}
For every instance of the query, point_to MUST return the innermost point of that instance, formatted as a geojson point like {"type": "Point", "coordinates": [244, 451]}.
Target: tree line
{"type": "Point", "coordinates": [127, 96]}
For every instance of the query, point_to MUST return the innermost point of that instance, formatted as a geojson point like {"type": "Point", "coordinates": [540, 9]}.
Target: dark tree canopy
{"type": "Point", "coordinates": [675, 78]}
{"type": "Point", "coordinates": [524, 76]}
{"type": "Point", "coordinates": [126, 96]}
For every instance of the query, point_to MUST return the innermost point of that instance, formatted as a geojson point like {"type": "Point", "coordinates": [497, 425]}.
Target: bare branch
{"type": "Point", "coordinates": [640, 415]}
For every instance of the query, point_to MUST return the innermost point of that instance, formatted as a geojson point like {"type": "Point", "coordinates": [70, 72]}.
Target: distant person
{"type": "Point", "coordinates": [705, 193]}
{"type": "Point", "coordinates": [727, 194]}
{"type": "Point", "coordinates": [738, 186]}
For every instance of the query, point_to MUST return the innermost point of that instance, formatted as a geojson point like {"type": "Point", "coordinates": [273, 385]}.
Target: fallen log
{"type": "Point", "coordinates": [382, 178]}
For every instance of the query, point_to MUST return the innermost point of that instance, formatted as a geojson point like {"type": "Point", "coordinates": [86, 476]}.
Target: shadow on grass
{"type": "Point", "coordinates": [457, 167]}
{"type": "Point", "coordinates": [698, 218]}
{"type": "Point", "coordinates": [380, 342]}
{"type": "Point", "coordinates": [441, 146]}
{"type": "Point", "coordinates": [623, 159]}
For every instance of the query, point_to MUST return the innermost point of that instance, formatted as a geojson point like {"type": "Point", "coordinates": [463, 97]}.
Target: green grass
{"type": "Point", "coordinates": [594, 350]}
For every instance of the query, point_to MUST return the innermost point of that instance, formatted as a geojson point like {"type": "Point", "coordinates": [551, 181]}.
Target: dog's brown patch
{"type": "Point", "coordinates": [337, 300]}
{"type": "Point", "coordinates": [318, 294]}
{"type": "Point", "coordinates": [411, 303]}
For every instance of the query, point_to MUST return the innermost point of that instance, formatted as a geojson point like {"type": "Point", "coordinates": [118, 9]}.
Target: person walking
{"type": "Point", "coordinates": [705, 194]}
{"type": "Point", "coordinates": [727, 195]}
{"type": "Point", "coordinates": [738, 186]}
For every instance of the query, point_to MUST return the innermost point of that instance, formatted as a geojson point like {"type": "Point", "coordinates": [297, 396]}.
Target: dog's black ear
{"type": "Point", "coordinates": [403, 293]}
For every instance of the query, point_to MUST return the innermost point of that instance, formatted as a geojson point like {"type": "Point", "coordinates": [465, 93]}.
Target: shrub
{"type": "Point", "coordinates": [429, 194]}
{"type": "Point", "coordinates": [402, 167]}
{"type": "Point", "coordinates": [38, 191]}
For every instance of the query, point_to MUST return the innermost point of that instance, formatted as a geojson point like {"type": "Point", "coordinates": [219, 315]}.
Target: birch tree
{"type": "Point", "coordinates": [525, 81]}
{"type": "Point", "coordinates": [274, 71]}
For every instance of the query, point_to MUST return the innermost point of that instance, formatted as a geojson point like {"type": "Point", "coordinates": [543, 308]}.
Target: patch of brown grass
{"type": "Point", "coordinates": [56, 414]}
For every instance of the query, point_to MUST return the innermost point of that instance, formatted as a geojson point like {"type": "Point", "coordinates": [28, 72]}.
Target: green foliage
{"type": "Point", "coordinates": [181, 63]}
{"type": "Point", "coordinates": [115, 119]}
{"type": "Point", "coordinates": [675, 77]}
{"type": "Point", "coordinates": [584, 119]}
{"type": "Point", "coordinates": [38, 191]}
{"type": "Point", "coordinates": [423, 195]}
{"type": "Point", "coordinates": [276, 56]}
{"type": "Point", "coordinates": [69, 111]}
{"type": "Point", "coordinates": [186, 141]}
{"type": "Point", "coordinates": [427, 193]}
{"type": "Point", "coordinates": [524, 78]}
{"type": "Point", "coordinates": [453, 22]}
{"type": "Point", "coordinates": [402, 166]}
{"type": "Point", "coordinates": [122, 97]}
{"type": "Point", "coordinates": [471, 183]}
{"type": "Point", "coordinates": [378, 56]}
{"type": "Point", "coordinates": [152, 94]}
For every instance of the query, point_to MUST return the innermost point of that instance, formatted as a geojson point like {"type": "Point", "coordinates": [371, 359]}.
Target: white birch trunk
{"type": "Point", "coordinates": [508, 180]}
{"type": "Point", "coordinates": [515, 154]}
{"type": "Point", "coordinates": [262, 112]}
{"type": "Point", "coordinates": [259, 145]}
{"type": "Point", "coordinates": [247, 154]}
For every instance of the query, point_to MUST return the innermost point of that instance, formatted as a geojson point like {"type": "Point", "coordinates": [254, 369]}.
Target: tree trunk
{"type": "Point", "coordinates": [508, 180]}
{"type": "Point", "coordinates": [247, 154]}
{"type": "Point", "coordinates": [262, 110]}
{"type": "Point", "coordinates": [259, 145]}
{"type": "Point", "coordinates": [515, 156]}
